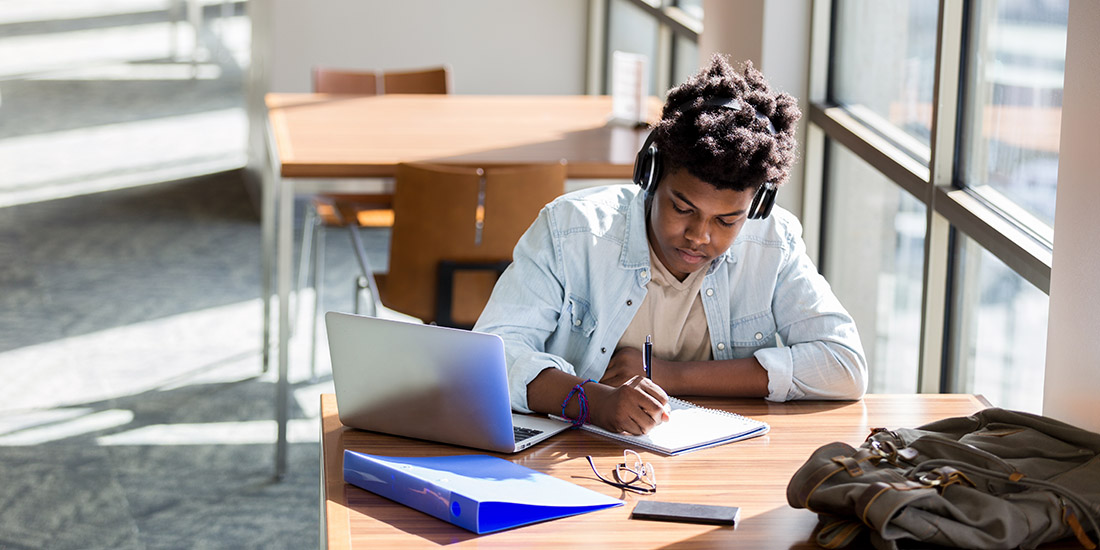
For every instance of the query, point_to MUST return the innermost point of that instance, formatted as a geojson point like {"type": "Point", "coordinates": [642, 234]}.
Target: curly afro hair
{"type": "Point", "coordinates": [725, 148]}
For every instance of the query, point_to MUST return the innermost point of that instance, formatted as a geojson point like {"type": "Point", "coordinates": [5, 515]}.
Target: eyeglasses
{"type": "Point", "coordinates": [631, 474]}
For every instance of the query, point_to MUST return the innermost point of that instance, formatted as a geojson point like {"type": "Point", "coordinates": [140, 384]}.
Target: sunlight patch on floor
{"type": "Point", "coordinates": [52, 390]}
{"type": "Point", "coordinates": [255, 432]}
{"type": "Point", "coordinates": [158, 150]}
{"type": "Point", "coordinates": [78, 422]}
{"type": "Point", "coordinates": [216, 344]}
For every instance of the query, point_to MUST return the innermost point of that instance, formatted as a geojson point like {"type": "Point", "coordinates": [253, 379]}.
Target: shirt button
{"type": "Point", "coordinates": [603, 350]}
{"type": "Point", "coordinates": [759, 336]}
{"type": "Point", "coordinates": [577, 323]}
{"type": "Point", "coordinates": [721, 346]}
{"type": "Point", "coordinates": [630, 302]}
{"type": "Point", "coordinates": [710, 292]}
{"type": "Point", "coordinates": [644, 274]}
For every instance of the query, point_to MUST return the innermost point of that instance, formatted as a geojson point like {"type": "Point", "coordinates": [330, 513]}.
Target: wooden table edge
{"type": "Point", "coordinates": [332, 487]}
{"type": "Point", "coordinates": [576, 170]}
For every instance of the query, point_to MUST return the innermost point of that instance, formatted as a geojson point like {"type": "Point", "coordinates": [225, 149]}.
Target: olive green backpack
{"type": "Point", "coordinates": [996, 479]}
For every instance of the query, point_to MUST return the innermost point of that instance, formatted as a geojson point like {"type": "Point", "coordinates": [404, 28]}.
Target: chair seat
{"type": "Point", "coordinates": [366, 210]}
{"type": "Point", "coordinates": [465, 306]}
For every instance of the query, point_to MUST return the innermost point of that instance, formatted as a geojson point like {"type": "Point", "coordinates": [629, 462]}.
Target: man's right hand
{"type": "Point", "coordinates": [635, 407]}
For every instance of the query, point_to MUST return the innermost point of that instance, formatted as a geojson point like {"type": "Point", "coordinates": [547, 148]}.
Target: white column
{"type": "Point", "coordinates": [1073, 340]}
{"type": "Point", "coordinates": [733, 28]}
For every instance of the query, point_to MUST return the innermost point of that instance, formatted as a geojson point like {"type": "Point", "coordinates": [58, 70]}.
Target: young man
{"type": "Point", "coordinates": [689, 256]}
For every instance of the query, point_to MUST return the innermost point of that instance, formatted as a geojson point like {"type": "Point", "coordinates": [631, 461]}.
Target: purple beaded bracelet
{"type": "Point", "coordinates": [582, 399]}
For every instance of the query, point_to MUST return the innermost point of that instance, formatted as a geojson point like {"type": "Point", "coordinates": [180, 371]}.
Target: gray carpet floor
{"type": "Point", "coordinates": [134, 412]}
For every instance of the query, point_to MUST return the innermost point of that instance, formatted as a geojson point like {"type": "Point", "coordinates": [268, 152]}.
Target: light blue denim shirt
{"type": "Point", "coordinates": [580, 272]}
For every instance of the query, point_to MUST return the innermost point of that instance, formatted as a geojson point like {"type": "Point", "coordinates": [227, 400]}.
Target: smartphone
{"type": "Point", "coordinates": [686, 513]}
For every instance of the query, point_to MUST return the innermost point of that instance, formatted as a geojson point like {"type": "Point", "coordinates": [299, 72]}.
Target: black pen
{"type": "Point", "coordinates": [647, 356]}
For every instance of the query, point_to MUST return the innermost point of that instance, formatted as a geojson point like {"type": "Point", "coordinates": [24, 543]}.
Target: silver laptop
{"type": "Point", "coordinates": [428, 382]}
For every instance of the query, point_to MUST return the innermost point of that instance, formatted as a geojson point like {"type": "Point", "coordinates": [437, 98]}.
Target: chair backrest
{"type": "Point", "coordinates": [433, 80]}
{"type": "Point", "coordinates": [336, 81]}
{"type": "Point", "coordinates": [436, 80]}
{"type": "Point", "coordinates": [436, 218]}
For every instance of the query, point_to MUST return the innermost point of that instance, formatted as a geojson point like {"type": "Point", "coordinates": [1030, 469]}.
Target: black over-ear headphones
{"type": "Point", "coordinates": [647, 165]}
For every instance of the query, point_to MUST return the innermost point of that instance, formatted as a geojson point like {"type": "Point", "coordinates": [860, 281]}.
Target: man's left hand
{"type": "Point", "coordinates": [625, 365]}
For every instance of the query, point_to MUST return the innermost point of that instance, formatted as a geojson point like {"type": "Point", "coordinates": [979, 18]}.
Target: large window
{"type": "Point", "coordinates": [1017, 56]}
{"type": "Point", "coordinates": [999, 341]}
{"type": "Point", "coordinates": [884, 67]}
{"type": "Point", "coordinates": [947, 115]}
{"type": "Point", "coordinates": [666, 32]}
{"type": "Point", "coordinates": [874, 242]}
{"type": "Point", "coordinates": [631, 29]}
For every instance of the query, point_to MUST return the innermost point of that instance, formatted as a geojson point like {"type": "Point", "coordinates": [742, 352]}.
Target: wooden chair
{"type": "Point", "coordinates": [453, 234]}
{"type": "Point", "coordinates": [433, 80]}
{"type": "Point", "coordinates": [374, 210]}
{"type": "Point", "coordinates": [335, 81]}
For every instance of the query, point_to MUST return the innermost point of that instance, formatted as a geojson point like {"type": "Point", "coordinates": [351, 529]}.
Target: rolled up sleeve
{"type": "Point", "coordinates": [821, 356]}
{"type": "Point", "coordinates": [525, 307]}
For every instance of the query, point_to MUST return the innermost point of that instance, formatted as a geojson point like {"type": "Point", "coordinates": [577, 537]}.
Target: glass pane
{"type": "Point", "coordinates": [685, 60]}
{"type": "Point", "coordinates": [632, 30]}
{"type": "Point", "coordinates": [874, 260]}
{"type": "Point", "coordinates": [1016, 63]}
{"type": "Point", "coordinates": [999, 331]}
{"type": "Point", "coordinates": [693, 8]}
{"type": "Point", "coordinates": [884, 67]}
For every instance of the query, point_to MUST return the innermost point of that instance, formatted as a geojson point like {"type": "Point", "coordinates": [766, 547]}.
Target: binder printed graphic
{"type": "Point", "coordinates": [479, 493]}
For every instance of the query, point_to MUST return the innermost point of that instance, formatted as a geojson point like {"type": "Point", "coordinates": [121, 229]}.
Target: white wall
{"type": "Point", "coordinates": [775, 35]}
{"type": "Point", "coordinates": [1073, 340]}
{"type": "Point", "coordinates": [493, 46]}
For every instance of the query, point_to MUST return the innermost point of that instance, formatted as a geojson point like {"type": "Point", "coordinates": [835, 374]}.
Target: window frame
{"type": "Point", "coordinates": [672, 22]}
{"type": "Point", "coordinates": [950, 205]}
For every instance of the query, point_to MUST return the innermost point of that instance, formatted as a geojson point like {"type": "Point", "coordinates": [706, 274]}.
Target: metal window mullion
{"type": "Point", "coordinates": [960, 369]}
{"type": "Point", "coordinates": [813, 157]}
{"type": "Point", "coordinates": [898, 166]}
{"type": "Point", "coordinates": [677, 20]}
{"type": "Point", "coordinates": [945, 101]}
{"type": "Point", "coordinates": [663, 64]}
{"type": "Point", "coordinates": [595, 75]}
{"type": "Point", "coordinates": [1010, 243]}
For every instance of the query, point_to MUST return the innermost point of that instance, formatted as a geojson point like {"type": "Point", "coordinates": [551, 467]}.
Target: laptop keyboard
{"type": "Point", "coordinates": [524, 433]}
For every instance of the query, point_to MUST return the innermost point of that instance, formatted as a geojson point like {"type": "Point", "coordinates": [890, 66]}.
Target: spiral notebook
{"type": "Point", "coordinates": [690, 428]}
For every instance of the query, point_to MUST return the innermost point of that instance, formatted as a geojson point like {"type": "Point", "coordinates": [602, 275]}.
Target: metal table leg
{"type": "Point", "coordinates": [278, 221]}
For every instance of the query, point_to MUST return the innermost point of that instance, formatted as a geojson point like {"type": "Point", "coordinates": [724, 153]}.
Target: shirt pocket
{"type": "Point", "coordinates": [753, 331]}
{"type": "Point", "coordinates": [581, 319]}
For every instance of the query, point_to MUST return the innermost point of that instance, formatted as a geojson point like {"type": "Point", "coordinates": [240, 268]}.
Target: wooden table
{"type": "Point", "coordinates": [751, 474]}
{"type": "Point", "coordinates": [322, 135]}
{"type": "Point", "coordinates": [328, 136]}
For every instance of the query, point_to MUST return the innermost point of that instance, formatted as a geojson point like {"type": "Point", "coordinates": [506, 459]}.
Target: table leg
{"type": "Point", "coordinates": [277, 220]}
{"type": "Point", "coordinates": [282, 259]}
{"type": "Point", "coordinates": [270, 192]}
{"type": "Point", "coordinates": [323, 543]}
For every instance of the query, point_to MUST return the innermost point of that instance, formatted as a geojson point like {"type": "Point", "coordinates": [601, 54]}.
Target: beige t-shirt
{"type": "Point", "coordinates": [672, 312]}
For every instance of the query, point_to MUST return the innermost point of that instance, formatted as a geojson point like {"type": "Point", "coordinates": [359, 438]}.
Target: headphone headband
{"type": "Point", "coordinates": [647, 164]}
{"type": "Point", "coordinates": [732, 104]}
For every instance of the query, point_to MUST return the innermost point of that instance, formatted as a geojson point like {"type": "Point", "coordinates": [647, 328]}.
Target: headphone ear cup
{"type": "Point", "coordinates": [647, 167]}
{"type": "Point", "coordinates": [769, 202]}
{"type": "Point", "coordinates": [763, 201]}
